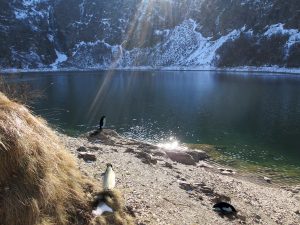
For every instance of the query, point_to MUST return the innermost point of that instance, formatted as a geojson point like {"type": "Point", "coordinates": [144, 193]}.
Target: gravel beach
{"type": "Point", "coordinates": [180, 188]}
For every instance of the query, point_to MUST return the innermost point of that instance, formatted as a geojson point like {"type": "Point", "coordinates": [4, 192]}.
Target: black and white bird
{"type": "Point", "coordinates": [109, 179]}
{"type": "Point", "coordinates": [101, 208]}
{"type": "Point", "coordinates": [102, 122]}
{"type": "Point", "coordinates": [224, 208]}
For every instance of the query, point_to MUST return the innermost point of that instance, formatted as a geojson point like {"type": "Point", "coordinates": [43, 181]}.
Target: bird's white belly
{"type": "Point", "coordinates": [101, 208]}
{"type": "Point", "coordinates": [109, 181]}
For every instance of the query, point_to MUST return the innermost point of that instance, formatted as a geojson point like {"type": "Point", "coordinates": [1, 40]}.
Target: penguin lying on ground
{"type": "Point", "coordinates": [224, 208]}
{"type": "Point", "coordinates": [102, 207]}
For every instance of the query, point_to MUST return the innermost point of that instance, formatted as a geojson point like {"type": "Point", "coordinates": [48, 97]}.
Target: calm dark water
{"type": "Point", "coordinates": [255, 118]}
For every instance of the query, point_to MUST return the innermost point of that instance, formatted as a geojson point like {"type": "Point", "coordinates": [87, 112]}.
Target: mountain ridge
{"type": "Point", "coordinates": [83, 34]}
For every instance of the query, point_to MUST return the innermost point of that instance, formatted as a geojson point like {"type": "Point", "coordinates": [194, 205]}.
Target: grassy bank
{"type": "Point", "coordinates": [40, 182]}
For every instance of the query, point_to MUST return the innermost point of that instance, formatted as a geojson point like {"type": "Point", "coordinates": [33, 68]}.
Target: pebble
{"type": "Point", "coordinates": [185, 185]}
{"type": "Point", "coordinates": [226, 172]}
{"type": "Point", "coordinates": [95, 148]}
{"type": "Point", "coordinates": [267, 179]}
{"type": "Point", "coordinates": [168, 165]}
{"type": "Point", "coordinates": [205, 165]}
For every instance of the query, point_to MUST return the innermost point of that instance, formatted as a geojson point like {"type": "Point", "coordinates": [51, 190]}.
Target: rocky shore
{"type": "Point", "coordinates": [179, 187]}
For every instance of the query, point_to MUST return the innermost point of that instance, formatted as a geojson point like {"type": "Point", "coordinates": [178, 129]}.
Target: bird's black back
{"type": "Point", "coordinates": [102, 121]}
{"type": "Point", "coordinates": [224, 205]}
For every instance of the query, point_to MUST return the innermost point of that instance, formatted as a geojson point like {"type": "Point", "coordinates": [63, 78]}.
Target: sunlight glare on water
{"type": "Point", "coordinates": [171, 144]}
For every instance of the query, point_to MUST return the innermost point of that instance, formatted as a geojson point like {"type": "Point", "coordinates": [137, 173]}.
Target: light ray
{"type": "Point", "coordinates": [139, 27]}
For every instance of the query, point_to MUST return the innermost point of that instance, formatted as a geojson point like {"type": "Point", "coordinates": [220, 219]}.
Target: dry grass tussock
{"type": "Point", "coordinates": [39, 181]}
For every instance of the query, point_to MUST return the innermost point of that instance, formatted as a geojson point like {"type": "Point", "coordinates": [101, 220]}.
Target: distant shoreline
{"type": "Point", "coordinates": [272, 70]}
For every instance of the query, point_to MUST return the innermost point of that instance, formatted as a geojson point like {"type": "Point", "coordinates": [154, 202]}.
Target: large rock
{"type": "Point", "coordinates": [87, 156]}
{"type": "Point", "coordinates": [181, 157]}
{"type": "Point", "coordinates": [105, 136]}
{"type": "Point", "coordinates": [198, 154]}
{"type": "Point", "coordinates": [155, 152]}
{"type": "Point", "coordinates": [146, 158]}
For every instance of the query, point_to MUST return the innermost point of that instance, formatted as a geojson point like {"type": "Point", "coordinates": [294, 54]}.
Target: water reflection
{"type": "Point", "coordinates": [254, 118]}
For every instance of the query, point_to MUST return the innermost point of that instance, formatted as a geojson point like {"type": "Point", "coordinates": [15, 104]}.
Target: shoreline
{"type": "Point", "coordinates": [159, 190]}
{"type": "Point", "coordinates": [271, 70]}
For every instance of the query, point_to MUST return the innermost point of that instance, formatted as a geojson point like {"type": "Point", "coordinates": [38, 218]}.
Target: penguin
{"type": "Point", "coordinates": [102, 207]}
{"type": "Point", "coordinates": [102, 122]}
{"type": "Point", "coordinates": [101, 125]}
{"type": "Point", "coordinates": [109, 179]}
{"type": "Point", "coordinates": [224, 208]}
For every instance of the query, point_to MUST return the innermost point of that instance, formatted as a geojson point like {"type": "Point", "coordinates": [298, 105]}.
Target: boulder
{"type": "Point", "coordinates": [146, 158]}
{"type": "Point", "coordinates": [105, 136]}
{"type": "Point", "coordinates": [129, 150]}
{"type": "Point", "coordinates": [159, 153]}
{"type": "Point", "coordinates": [87, 156]}
{"type": "Point", "coordinates": [168, 165]}
{"type": "Point", "coordinates": [186, 186]}
{"type": "Point", "coordinates": [198, 154]}
{"type": "Point", "coordinates": [181, 157]}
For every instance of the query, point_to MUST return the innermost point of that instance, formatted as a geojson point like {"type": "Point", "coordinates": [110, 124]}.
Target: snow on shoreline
{"type": "Point", "coordinates": [61, 57]}
{"type": "Point", "coordinates": [248, 69]}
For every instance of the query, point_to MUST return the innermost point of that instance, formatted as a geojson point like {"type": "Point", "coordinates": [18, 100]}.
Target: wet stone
{"type": "Point", "coordinates": [81, 149]}
{"type": "Point", "coordinates": [168, 165]}
{"type": "Point", "coordinates": [129, 150]}
{"type": "Point", "coordinates": [267, 179]}
{"type": "Point", "coordinates": [87, 156]}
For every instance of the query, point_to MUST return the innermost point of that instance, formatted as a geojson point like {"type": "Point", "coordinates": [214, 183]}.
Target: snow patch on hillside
{"type": "Point", "coordinates": [278, 29]}
{"type": "Point", "coordinates": [182, 46]}
{"type": "Point", "coordinates": [20, 14]}
{"type": "Point", "coordinates": [206, 52]}
{"type": "Point", "coordinates": [30, 9]}
{"type": "Point", "coordinates": [61, 57]}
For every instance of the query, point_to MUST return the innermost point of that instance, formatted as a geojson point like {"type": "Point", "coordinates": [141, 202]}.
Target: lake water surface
{"type": "Point", "coordinates": [251, 117]}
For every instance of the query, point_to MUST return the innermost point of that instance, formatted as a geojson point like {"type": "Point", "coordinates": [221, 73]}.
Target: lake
{"type": "Point", "coordinates": [249, 117]}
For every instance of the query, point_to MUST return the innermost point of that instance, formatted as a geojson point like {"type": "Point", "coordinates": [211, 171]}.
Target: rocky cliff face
{"type": "Point", "coordinates": [149, 33]}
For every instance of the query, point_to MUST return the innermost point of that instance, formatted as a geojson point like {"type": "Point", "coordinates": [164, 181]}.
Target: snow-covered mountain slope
{"type": "Point", "coordinates": [44, 34]}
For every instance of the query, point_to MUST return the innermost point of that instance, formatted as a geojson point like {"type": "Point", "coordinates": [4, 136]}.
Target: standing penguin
{"type": "Point", "coordinates": [101, 125]}
{"type": "Point", "coordinates": [109, 179]}
{"type": "Point", "coordinates": [102, 122]}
